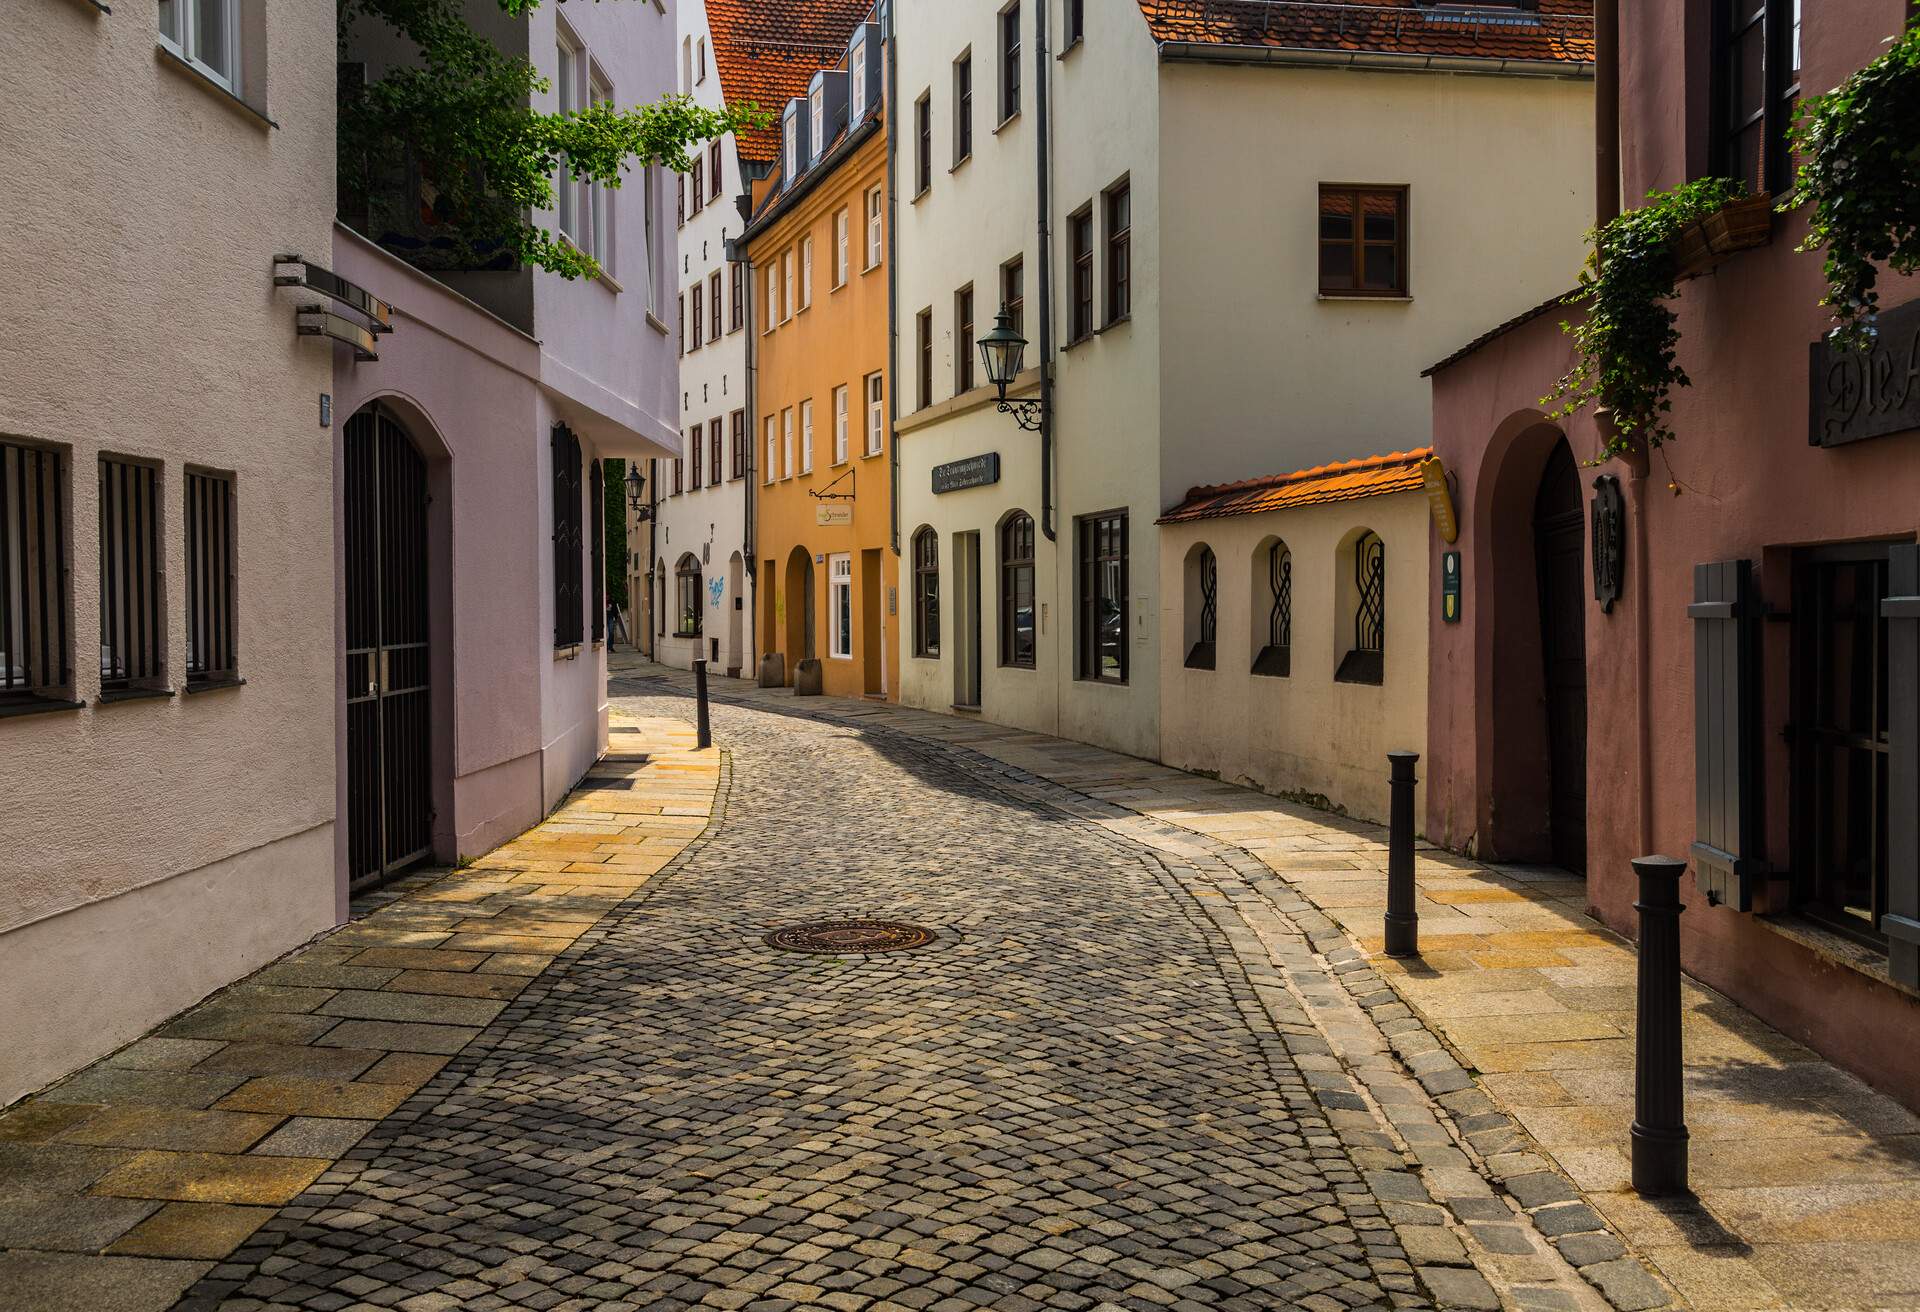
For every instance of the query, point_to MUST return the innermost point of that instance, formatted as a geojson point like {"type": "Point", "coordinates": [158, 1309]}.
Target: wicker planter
{"type": "Point", "coordinates": [1740, 225]}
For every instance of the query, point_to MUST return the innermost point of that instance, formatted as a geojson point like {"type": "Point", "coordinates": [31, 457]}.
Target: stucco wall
{"type": "Point", "coordinates": [145, 324]}
{"type": "Point", "coordinates": [1305, 736]}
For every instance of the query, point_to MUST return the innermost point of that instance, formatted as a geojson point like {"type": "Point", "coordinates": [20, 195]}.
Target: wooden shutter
{"type": "Point", "coordinates": [1901, 922]}
{"type": "Point", "coordinates": [1726, 741]}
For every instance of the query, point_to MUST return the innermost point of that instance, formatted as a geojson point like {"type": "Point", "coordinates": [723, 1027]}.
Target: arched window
{"type": "Point", "coordinates": [687, 598]}
{"type": "Point", "coordinates": [1273, 609]}
{"type": "Point", "coordinates": [926, 593]}
{"type": "Point", "coordinates": [1365, 595]}
{"type": "Point", "coordinates": [1203, 608]}
{"type": "Point", "coordinates": [1018, 625]}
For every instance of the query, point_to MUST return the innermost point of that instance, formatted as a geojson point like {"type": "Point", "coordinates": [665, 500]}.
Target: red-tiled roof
{"type": "Point", "coordinates": [768, 50]}
{"type": "Point", "coordinates": [1350, 480]}
{"type": "Point", "coordinates": [1555, 31]}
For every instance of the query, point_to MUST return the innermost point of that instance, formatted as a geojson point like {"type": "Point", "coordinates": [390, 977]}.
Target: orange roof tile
{"type": "Point", "coordinates": [767, 52]}
{"type": "Point", "coordinates": [1370, 476]}
{"type": "Point", "coordinates": [1554, 31]}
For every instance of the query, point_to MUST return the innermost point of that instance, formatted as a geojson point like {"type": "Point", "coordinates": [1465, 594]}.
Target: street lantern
{"type": "Point", "coordinates": [1001, 353]}
{"type": "Point", "coordinates": [636, 485]}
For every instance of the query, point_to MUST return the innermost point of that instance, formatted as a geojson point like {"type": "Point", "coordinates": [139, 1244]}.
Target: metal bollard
{"type": "Point", "coordinates": [1659, 1126]}
{"type": "Point", "coordinates": [1403, 921]}
{"type": "Point", "coordinates": [700, 693]}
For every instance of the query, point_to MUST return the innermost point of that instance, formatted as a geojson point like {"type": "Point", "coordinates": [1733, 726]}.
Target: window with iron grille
{"type": "Point", "coordinates": [1363, 241]}
{"type": "Point", "coordinates": [35, 663]}
{"type": "Point", "coordinates": [1275, 657]}
{"type": "Point", "coordinates": [1100, 542]}
{"type": "Point", "coordinates": [926, 593]}
{"type": "Point", "coordinates": [1119, 207]}
{"type": "Point", "coordinates": [569, 546]}
{"type": "Point", "coordinates": [1203, 608]}
{"type": "Point", "coordinates": [1756, 89]}
{"type": "Point", "coordinates": [1080, 233]}
{"type": "Point", "coordinates": [597, 565]}
{"type": "Point", "coordinates": [1009, 61]}
{"type": "Point", "coordinates": [210, 579]}
{"type": "Point", "coordinates": [963, 341]}
{"type": "Point", "coordinates": [1018, 645]}
{"type": "Point", "coordinates": [133, 625]}
{"type": "Point", "coordinates": [1365, 662]}
{"type": "Point", "coordinates": [738, 422]}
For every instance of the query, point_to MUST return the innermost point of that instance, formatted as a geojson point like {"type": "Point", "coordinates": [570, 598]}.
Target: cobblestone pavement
{"type": "Point", "coordinates": [1119, 1079]}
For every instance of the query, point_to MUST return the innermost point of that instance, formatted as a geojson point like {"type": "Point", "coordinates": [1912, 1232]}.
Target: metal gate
{"type": "Point", "coordinates": [389, 757]}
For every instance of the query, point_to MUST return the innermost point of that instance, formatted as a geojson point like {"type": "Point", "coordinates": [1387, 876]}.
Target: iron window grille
{"type": "Point", "coordinates": [1276, 658]}
{"type": "Point", "coordinates": [34, 659]}
{"type": "Point", "coordinates": [1119, 207]}
{"type": "Point", "coordinates": [210, 579]}
{"type": "Point", "coordinates": [1366, 662]}
{"type": "Point", "coordinates": [1101, 541]}
{"type": "Point", "coordinates": [1363, 241]}
{"type": "Point", "coordinates": [597, 487]}
{"type": "Point", "coordinates": [926, 593]}
{"type": "Point", "coordinates": [1201, 656]}
{"type": "Point", "coordinates": [133, 627]}
{"type": "Point", "coordinates": [569, 561]}
{"type": "Point", "coordinates": [1018, 626]}
{"type": "Point", "coordinates": [687, 590]}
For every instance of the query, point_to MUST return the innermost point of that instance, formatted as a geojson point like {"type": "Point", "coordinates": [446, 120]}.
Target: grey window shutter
{"type": "Point", "coordinates": [1901, 922]}
{"type": "Point", "coordinates": [1726, 744]}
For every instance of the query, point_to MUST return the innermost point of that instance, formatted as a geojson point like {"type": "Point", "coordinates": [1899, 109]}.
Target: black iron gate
{"type": "Point", "coordinates": [389, 781]}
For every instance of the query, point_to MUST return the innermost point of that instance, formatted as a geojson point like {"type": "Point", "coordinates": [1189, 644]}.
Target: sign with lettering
{"type": "Point", "coordinates": [974, 471]}
{"type": "Point", "coordinates": [1450, 586]}
{"type": "Point", "coordinates": [830, 514]}
{"type": "Point", "coordinates": [1860, 394]}
{"type": "Point", "coordinates": [1433, 476]}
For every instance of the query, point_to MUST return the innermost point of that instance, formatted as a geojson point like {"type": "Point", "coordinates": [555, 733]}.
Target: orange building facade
{"type": "Point", "coordinates": [825, 548]}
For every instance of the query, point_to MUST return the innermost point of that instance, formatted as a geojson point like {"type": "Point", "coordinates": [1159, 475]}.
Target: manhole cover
{"type": "Point", "coordinates": [846, 936]}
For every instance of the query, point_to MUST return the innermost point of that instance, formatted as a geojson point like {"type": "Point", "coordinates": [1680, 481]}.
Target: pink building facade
{"type": "Point", "coordinates": [1698, 659]}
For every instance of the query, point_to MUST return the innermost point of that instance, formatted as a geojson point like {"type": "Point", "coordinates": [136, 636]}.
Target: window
{"type": "Point", "coordinates": [1101, 543]}
{"type": "Point", "coordinates": [1202, 607]}
{"type": "Point", "coordinates": [773, 449]}
{"type": "Point", "coordinates": [806, 436]}
{"type": "Point", "coordinates": [1363, 241]}
{"type": "Point", "coordinates": [714, 450]}
{"type": "Point", "coordinates": [773, 297]}
{"type": "Point", "coordinates": [133, 626]}
{"type": "Point", "coordinates": [697, 336]}
{"type": "Point", "coordinates": [714, 184]}
{"type": "Point", "coordinates": [787, 304]}
{"type": "Point", "coordinates": [923, 354]}
{"type": "Point", "coordinates": [713, 306]}
{"type": "Point", "coordinates": [211, 572]}
{"type": "Point", "coordinates": [840, 425]}
{"type": "Point", "coordinates": [680, 185]}
{"type": "Point", "coordinates": [962, 108]}
{"type": "Point", "coordinates": [876, 415]}
{"type": "Point", "coordinates": [873, 229]}
{"type": "Point", "coordinates": [597, 558]}
{"type": "Point", "coordinates": [568, 564]}
{"type": "Point", "coordinates": [1017, 623]}
{"type": "Point", "coordinates": [571, 91]}
{"type": "Point", "coordinates": [1013, 290]}
{"type": "Point", "coordinates": [963, 341]}
{"type": "Point", "coordinates": [1273, 602]}
{"type": "Point", "coordinates": [1119, 207]}
{"type": "Point", "coordinates": [1076, 21]}
{"type": "Point", "coordinates": [793, 146]}
{"type": "Point", "coordinates": [922, 143]}
{"type": "Point", "coordinates": [696, 441]}
{"type": "Point", "coordinates": [737, 287]}
{"type": "Point", "coordinates": [682, 332]}
{"type": "Point", "coordinates": [926, 593]}
{"type": "Point", "coordinates": [786, 443]}
{"type": "Point", "coordinates": [841, 222]}
{"type": "Point", "coordinates": [738, 422]}
{"type": "Point", "coordinates": [857, 64]}
{"type": "Point", "coordinates": [34, 657]}
{"type": "Point", "coordinates": [840, 606]}
{"type": "Point", "coordinates": [687, 598]}
{"type": "Point", "coordinates": [600, 197]}
{"type": "Point", "coordinates": [679, 474]}
{"type": "Point", "coordinates": [1080, 233]}
{"type": "Point", "coordinates": [806, 271]}
{"type": "Point", "coordinates": [1756, 90]}
{"type": "Point", "coordinates": [1365, 661]}
{"type": "Point", "coordinates": [1009, 61]}
{"type": "Point", "coordinates": [205, 33]}
{"type": "Point", "coordinates": [817, 109]}
{"type": "Point", "coordinates": [700, 61]}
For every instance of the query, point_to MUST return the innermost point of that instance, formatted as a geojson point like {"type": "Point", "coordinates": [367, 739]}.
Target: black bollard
{"type": "Point", "coordinates": [1659, 1126]}
{"type": "Point", "coordinates": [700, 693]}
{"type": "Point", "coordinates": [1403, 922]}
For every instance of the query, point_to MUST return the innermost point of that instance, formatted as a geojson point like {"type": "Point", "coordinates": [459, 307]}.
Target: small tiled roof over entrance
{"type": "Point", "coordinates": [767, 52]}
{"type": "Point", "coordinates": [1371, 476]}
{"type": "Point", "coordinates": [1549, 31]}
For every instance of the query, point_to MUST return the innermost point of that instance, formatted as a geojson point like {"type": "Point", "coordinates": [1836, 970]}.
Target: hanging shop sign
{"type": "Point", "coordinates": [1440, 498]}
{"type": "Point", "coordinates": [974, 471]}
{"type": "Point", "coordinates": [1860, 394]}
{"type": "Point", "coordinates": [1450, 586]}
{"type": "Point", "coordinates": [1609, 520]}
{"type": "Point", "coordinates": [832, 514]}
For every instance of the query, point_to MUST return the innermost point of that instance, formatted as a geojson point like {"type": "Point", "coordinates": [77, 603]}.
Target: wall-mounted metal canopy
{"type": "Point", "coordinates": [292, 271]}
{"type": "Point", "coordinates": [314, 321]}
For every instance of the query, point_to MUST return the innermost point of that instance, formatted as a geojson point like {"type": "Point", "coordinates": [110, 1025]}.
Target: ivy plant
{"type": "Point", "coordinates": [445, 159]}
{"type": "Point", "coordinates": [1859, 149]}
{"type": "Point", "coordinates": [1628, 340]}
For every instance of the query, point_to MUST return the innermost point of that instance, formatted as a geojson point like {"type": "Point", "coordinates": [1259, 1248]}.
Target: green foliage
{"type": "Point", "coordinates": [1628, 362]}
{"type": "Point", "coordinates": [1860, 170]}
{"type": "Point", "coordinates": [613, 476]}
{"type": "Point", "coordinates": [452, 144]}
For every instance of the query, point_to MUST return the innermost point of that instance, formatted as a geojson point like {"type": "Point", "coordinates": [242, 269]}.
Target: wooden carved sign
{"type": "Point", "coordinates": [1609, 541]}
{"type": "Point", "coordinates": [1860, 394]}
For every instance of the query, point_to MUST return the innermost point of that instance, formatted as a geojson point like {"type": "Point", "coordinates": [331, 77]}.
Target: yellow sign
{"type": "Point", "coordinates": [1439, 498]}
{"type": "Point", "coordinates": [831, 513]}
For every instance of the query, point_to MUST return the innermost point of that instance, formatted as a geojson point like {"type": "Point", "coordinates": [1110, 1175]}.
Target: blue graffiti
{"type": "Point", "coordinates": [715, 587]}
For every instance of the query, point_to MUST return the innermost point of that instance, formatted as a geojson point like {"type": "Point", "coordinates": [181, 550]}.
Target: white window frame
{"type": "Point", "coordinates": [857, 64]}
{"type": "Point", "coordinates": [817, 111]}
{"type": "Point", "coordinates": [700, 62]}
{"type": "Point", "coordinates": [792, 155]}
{"type": "Point", "coordinates": [840, 424]}
{"type": "Point", "coordinates": [806, 271]}
{"type": "Point", "coordinates": [600, 197]}
{"type": "Point", "coordinates": [806, 436]}
{"type": "Point", "coordinates": [874, 230]}
{"type": "Point", "coordinates": [773, 297]}
{"type": "Point", "coordinates": [842, 222]}
{"type": "Point", "coordinates": [876, 413]}
{"type": "Point", "coordinates": [773, 450]}
{"type": "Point", "coordinates": [840, 606]}
{"type": "Point", "coordinates": [786, 442]}
{"type": "Point", "coordinates": [180, 34]}
{"type": "Point", "coordinates": [569, 92]}
{"type": "Point", "coordinates": [786, 278]}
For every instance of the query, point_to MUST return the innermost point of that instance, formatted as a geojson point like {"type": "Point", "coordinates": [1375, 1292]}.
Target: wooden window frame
{"type": "Point", "coordinates": [923, 144]}
{"type": "Point", "coordinates": [737, 421]}
{"type": "Point", "coordinates": [1357, 243]}
{"type": "Point", "coordinates": [963, 321]}
{"type": "Point", "coordinates": [1013, 290]}
{"type": "Point", "coordinates": [923, 357]}
{"type": "Point", "coordinates": [714, 330]}
{"type": "Point", "coordinates": [926, 588]}
{"type": "Point", "coordinates": [1015, 541]}
{"type": "Point", "coordinates": [715, 453]}
{"type": "Point", "coordinates": [1080, 304]}
{"type": "Point", "coordinates": [1007, 46]}
{"type": "Point", "coordinates": [1771, 23]}
{"type": "Point", "coordinates": [876, 428]}
{"type": "Point", "coordinates": [962, 109]}
{"type": "Point", "coordinates": [685, 572]}
{"type": "Point", "coordinates": [1089, 575]}
{"type": "Point", "coordinates": [1118, 278]}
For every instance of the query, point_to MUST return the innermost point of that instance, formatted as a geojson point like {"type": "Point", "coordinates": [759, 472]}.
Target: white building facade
{"type": "Point", "coordinates": [1208, 320]}
{"type": "Point", "coordinates": [701, 501]}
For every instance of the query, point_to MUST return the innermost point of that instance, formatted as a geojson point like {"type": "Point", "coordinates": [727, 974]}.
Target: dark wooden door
{"type": "Point", "coordinates": [1559, 536]}
{"type": "Point", "coordinates": [389, 743]}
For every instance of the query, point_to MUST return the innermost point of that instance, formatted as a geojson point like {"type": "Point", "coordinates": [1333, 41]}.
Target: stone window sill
{"type": "Point", "coordinates": [1834, 948]}
{"type": "Point", "coordinates": [37, 706]}
{"type": "Point", "coordinates": [132, 695]}
{"type": "Point", "coordinates": [215, 685]}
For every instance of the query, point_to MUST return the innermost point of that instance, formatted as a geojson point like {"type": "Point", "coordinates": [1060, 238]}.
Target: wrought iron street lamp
{"type": "Point", "coordinates": [637, 491]}
{"type": "Point", "coordinates": [1001, 351]}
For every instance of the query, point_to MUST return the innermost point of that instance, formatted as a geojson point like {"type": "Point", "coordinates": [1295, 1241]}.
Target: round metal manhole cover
{"type": "Point", "coordinates": [840, 937]}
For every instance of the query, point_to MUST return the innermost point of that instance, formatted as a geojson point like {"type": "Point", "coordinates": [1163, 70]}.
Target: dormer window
{"type": "Point", "coordinates": [793, 146]}
{"type": "Point", "coordinates": [819, 119]}
{"type": "Point", "coordinates": [858, 63]}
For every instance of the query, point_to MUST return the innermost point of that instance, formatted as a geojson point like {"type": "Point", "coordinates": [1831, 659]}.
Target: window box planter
{"type": "Point", "coordinates": [1740, 225]}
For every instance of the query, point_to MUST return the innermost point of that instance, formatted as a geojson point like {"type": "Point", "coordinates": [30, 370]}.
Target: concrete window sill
{"type": "Point", "coordinates": [38, 706]}
{"type": "Point", "coordinates": [199, 78]}
{"type": "Point", "coordinates": [214, 685]}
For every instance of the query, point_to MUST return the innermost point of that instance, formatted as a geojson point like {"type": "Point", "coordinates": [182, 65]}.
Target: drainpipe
{"type": "Point", "coordinates": [1043, 162]}
{"type": "Point", "coordinates": [737, 253]}
{"type": "Point", "coordinates": [1606, 110]}
{"type": "Point", "coordinates": [893, 280]}
{"type": "Point", "coordinates": [653, 555]}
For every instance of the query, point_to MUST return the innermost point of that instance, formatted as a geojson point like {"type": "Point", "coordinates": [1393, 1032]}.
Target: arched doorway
{"type": "Point", "coordinates": [389, 721]}
{"type": "Point", "coordinates": [799, 609]}
{"type": "Point", "coordinates": [1559, 541]}
{"type": "Point", "coordinates": [736, 615]}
